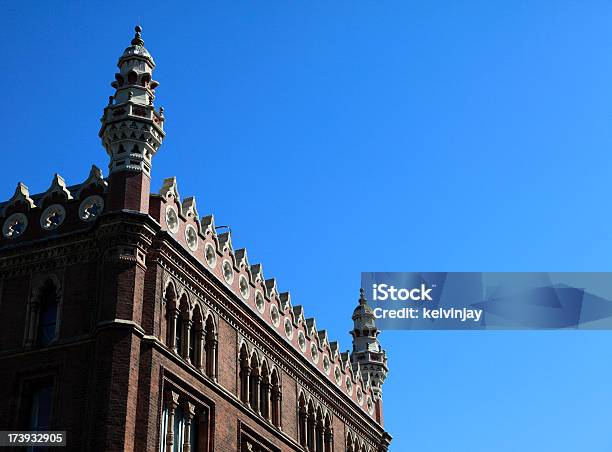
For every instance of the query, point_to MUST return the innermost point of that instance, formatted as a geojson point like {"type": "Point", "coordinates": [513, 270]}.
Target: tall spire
{"type": "Point", "coordinates": [367, 351]}
{"type": "Point", "coordinates": [132, 130]}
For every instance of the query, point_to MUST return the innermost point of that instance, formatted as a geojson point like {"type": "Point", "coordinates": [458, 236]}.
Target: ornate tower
{"type": "Point", "coordinates": [367, 352]}
{"type": "Point", "coordinates": [132, 131]}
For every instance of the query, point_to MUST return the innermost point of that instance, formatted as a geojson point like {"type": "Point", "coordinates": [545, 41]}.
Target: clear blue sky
{"type": "Point", "coordinates": [348, 136]}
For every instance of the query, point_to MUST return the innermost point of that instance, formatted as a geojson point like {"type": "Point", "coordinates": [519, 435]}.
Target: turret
{"type": "Point", "coordinates": [367, 352]}
{"type": "Point", "coordinates": [132, 130]}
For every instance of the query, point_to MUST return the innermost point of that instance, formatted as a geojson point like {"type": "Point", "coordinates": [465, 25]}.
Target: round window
{"type": "Point", "coordinates": [326, 364]}
{"type": "Point", "coordinates": [288, 328]}
{"type": "Point", "coordinates": [228, 273]}
{"type": "Point", "coordinates": [259, 301]}
{"type": "Point", "coordinates": [210, 255]}
{"type": "Point", "coordinates": [244, 287]}
{"type": "Point", "coordinates": [314, 351]}
{"type": "Point", "coordinates": [302, 341]}
{"type": "Point", "coordinates": [91, 208]}
{"type": "Point", "coordinates": [172, 219]}
{"type": "Point", "coordinates": [14, 226]}
{"type": "Point", "coordinates": [191, 236]}
{"type": "Point", "coordinates": [52, 217]}
{"type": "Point", "coordinates": [337, 375]}
{"type": "Point", "coordinates": [274, 315]}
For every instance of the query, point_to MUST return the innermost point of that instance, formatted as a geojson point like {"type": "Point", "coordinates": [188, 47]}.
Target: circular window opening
{"type": "Point", "coordinates": [171, 219]}
{"type": "Point", "coordinates": [91, 208]}
{"type": "Point", "coordinates": [326, 364]}
{"type": "Point", "coordinates": [244, 287]}
{"type": "Point", "coordinates": [191, 236]}
{"type": "Point", "coordinates": [288, 328]}
{"type": "Point", "coordinates": [259, 301]}
{"type": "Point", "coordinates": [228, 273]}
{"type": "Point", "coordinates": [314, 351]}
{"type": "Point", "coordinates": [14, 226]}
{"type": "Point", "coordinates": [210, 255]}
{"type": "Point", "coordinates": [302, 341]}
{"type": "Point", "coordinates": [337, 375]}
{"type": "Point", "coordinates": [52, 217]}
{"type": "Point", "coordinates": [274, 315]}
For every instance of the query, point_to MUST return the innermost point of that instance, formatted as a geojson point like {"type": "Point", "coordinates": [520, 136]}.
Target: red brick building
{"type": "Point", "coordinates": [131, 323]}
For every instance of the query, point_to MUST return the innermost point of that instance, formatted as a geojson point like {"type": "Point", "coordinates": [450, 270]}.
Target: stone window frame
{"type": "Point", "coordinates": [37, 284]}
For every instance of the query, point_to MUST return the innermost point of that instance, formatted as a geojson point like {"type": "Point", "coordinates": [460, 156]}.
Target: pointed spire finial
{"type": "Point", "coordinates": [362, 298]}
{"type": "Point", "coordinates": [137, 41]}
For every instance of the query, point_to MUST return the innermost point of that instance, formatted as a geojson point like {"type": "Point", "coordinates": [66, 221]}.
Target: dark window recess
{"type": "Point", "coordinates": [40, 408]}
{"type": "Point", "coordinates": [47, 321]}
{"type": "Point", "coordinates": [178, 339]}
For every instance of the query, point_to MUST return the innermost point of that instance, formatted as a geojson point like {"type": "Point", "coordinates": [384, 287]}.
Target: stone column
{"type": "Point", "coordinates": [319, 436]}
{"type": "Point", "coordinates": [329, 440]}
{"type": "Point", "coordinates": [172, 402]}
{"type": "Point", "coordinates": [189, 415]}
{"type": "Point", "coordinates": [186, 343]}
{"type": "Point", "coordinates": [277, 397]}
{"type": "Point", "coordinates": [211, 358]}
{"type": "Point", "coordinates": [311, 432]}
{"type": "Point", "coordinates": [173, 315]}
{"type": "Point", "coordinates": [199, 349]}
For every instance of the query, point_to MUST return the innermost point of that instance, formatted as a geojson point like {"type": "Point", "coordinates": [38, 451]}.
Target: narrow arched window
{"type": "Point", "coordinates": [254, 380]}
{"type": "Point", "coordinates": [276, 398]}
{"type": "Point", "coordinates": [264, 388]}
{"type": "Point", "coordinates": [302, 420]}
{"type": "Point", "coordinates": [211, 348]}
{"type": "Point", "coordinates": [178, 336]}
{"type": "Point", "coordinates": [245, 371]}
{"type": "Point", "coordinates": [48, 310]}
{"type": "Point", "coordinates": [196, 339]}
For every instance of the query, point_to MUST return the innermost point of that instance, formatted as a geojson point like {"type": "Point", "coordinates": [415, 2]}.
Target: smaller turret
{"type": "Point", "coordinates": [367, 351]}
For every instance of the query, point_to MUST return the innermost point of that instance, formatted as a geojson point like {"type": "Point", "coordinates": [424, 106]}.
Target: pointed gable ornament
{"type": "Point", "coordinates": [21, 196]}
{"type": "Point", "coordinates": [58, 185]}
{"type": "Point", "coordinates": [208, 224]}
{"type": "Point", "coordinates": [94, 180]}
{"type": "Point", "coordinates": [189, 209]}
{"type": "Point", "coordinates": [169, 189]}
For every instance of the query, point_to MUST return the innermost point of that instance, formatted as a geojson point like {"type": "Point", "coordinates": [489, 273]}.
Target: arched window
{"type": "Point", "coordinates": [319, 433]}
{"type": "Point", "coordinates": [48, 310]}
{"type": "Point", "coordinates": [211, 347]}
{"type": "Point", "coordinates": [276, 397]}
{"type": "Point", "coordinates": [41, 326]}
{"type": "Point", "coordinates": [303, 420]}
{"type": "Point", "coordinates": [311, 423]}
{"type": "Point", "coordinates": [329, 434]}
{"type": "Point", "coordinates": [196, 338]}
{"type": "Point", "coordinates": [254, 378]}
{"type": "Point", "coordinates": [349, 444]}
{"type": "Point", "coordinates": [183, 325]}
{"type": "Point", "coordinates": [245, 371]}
{"type": "Point", "coordinates": [264, 387]}
{"type": "Point", "coordinates": [171, 316]}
